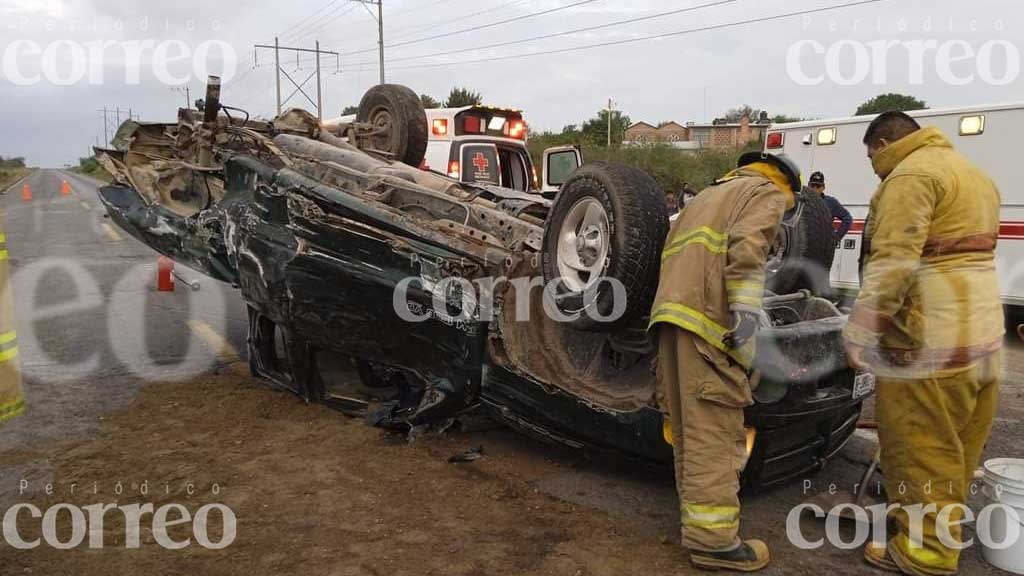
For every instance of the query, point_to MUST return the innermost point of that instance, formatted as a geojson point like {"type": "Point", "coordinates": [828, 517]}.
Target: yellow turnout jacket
{"type": "Point", "coordinates": [715, 256]}
{"type": "Point", "coordinates": [929, 302]}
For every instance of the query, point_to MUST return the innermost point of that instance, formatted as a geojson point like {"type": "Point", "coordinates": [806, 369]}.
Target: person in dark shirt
{"type": "Point", "coordinates": [817, 184]}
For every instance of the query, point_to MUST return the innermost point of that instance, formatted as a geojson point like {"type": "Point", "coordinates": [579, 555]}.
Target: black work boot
{"type": "Point", "coordinates": [751, 556]}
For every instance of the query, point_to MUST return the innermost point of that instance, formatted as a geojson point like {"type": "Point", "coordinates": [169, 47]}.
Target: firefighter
{"type": "Point", "coordinates": [929, 324]}
{"type": "Point", "coordinates": [12, 402]}
{"type": "Point", "coordinates": [706, 312]}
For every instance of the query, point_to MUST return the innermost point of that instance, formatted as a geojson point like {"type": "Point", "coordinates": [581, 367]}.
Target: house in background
{"type": "Point", "coordinates": [718, 134]}
{"type": "Point", "coordinates": [644, 133]}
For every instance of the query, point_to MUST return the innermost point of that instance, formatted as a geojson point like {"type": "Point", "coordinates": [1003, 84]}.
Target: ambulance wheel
{"type": "Point", "coordinates": [399, 122]}
{"type": "Point", "coordinates": [602, 246]}
{"type": "Point", "coordinates": [802, 256]}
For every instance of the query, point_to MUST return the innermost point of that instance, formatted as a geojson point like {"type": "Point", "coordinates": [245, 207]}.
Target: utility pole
{"type": "Point", "coordinates": [106, 129]}
{"type": "Point", "coordinates": [380, 36]}
{"type": "Point", "coordinates": [379, 17]}
{"type": "Point", "coordinates": [611, 110]}
{"type": "Point", "coordinates": [319, 90]}
{"type": "Point", "coordinates": [184, 89]}
{"type": "Point", "coordinates": [277, 48]}
{"type": "Point", "coordinates": [277, 65]}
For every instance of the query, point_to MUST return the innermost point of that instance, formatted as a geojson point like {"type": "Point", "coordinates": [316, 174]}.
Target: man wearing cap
{"type": "Point", "coordinates": [816, 184]}
{"type": "Point", "coordinates": [706, 312]}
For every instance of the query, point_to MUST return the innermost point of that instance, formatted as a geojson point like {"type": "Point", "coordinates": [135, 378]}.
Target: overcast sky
{"type": "Point", "coordinates": [51, 97]}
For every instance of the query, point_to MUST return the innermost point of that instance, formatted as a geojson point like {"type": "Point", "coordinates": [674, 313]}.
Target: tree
{"type": "Point", "coordinates": [734, 115]}
{"type": "Point", "coordinates": [349, 110]}
{"type": "Point", "coordinates": [429, 101]}
{"type": "Point", "coordinates": [784, 119]}
{"type": "Point", "coordinates": [891, 103]}
{"type": "Point", "coordinates": [16, 162]}
{"type": "Point", "coordinates": [460, 97]}
{"type": "Point", "coordinates": [595, 130]}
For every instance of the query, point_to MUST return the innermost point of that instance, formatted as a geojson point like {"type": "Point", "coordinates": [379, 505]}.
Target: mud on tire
{"type": "Point", "coordinates": [398, 115]}
{"type": "Point", "coordinates": [612, 221]}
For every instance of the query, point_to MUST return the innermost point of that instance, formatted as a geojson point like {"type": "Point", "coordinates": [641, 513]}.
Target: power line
{"type": "Point", "coordinates": [331, 16]}
{"type": "Point", "coordinates": [412, 31]}
{"type": "Point", "coordinates": [306, 19]}
{"type": "Point", "coordinates": [643, 38]}
{"type": "Point", "coordinates": [557, 34]}
{"type": "Point", "coordinates": [406, 32]}
{"type": "Point", "coordinates": [480, 27]}
{"type": "Point", "coordinates": [401, 15]}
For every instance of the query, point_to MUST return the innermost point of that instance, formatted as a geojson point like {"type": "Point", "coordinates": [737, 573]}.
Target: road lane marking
{"type": "Point", "coordinates": [222, 349]}
{"type": "Point", "coordinates": [110, 232]}
{"type": "Point", "coordinates": [84, 205]}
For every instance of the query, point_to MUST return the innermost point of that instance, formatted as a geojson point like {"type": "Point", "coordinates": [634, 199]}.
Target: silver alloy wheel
{"type": "Point", "coordinates": [583, 244]}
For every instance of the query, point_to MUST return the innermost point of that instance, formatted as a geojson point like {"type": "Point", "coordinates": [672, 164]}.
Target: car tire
{"type": "Point", "coordinates": [398, 112]}
{"type": "Point", "coordinates": [611, 220]}
{"type": "Point", "coordinates": [808, 250]}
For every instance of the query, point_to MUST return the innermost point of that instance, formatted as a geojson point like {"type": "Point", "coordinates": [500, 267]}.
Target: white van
{"type": "Point", "coordinates": [988, 135]}
{"type": "Point", "coordinates": [487, 145]}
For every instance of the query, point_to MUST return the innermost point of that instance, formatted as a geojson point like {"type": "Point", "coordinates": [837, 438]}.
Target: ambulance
{"type": "Point", "coordinates": [990, 136]}
{"type": "Point", "coordinates": [487, 145]}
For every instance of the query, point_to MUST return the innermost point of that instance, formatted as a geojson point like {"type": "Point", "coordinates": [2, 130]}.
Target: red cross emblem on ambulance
{"type": "Point", "coordinates": [481, 162]}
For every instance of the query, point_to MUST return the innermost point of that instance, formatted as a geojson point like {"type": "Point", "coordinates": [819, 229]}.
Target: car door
{"type": "Point", "coordinates": [559, 163]}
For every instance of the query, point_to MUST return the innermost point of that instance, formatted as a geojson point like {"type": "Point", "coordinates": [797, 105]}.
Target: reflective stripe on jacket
{"type": "Point", "coordinates": [929, 300]}
{"type": "Point", "coordinates": [12, 401]}
{"type": "Point", "coordinates": [714, 259]}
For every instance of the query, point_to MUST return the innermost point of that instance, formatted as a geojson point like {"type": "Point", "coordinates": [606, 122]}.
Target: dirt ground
{"type": "Point", "coordinates": [315, 492]}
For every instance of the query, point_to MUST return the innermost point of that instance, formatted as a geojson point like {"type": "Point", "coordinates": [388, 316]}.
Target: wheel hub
{"type": "Point", "coordinates": [589, 244]}
{"type": "Point", "coordinates": [583, 244]}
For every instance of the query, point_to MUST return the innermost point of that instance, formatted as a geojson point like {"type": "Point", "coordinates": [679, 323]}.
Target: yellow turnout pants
{"type": "Point", "coordinates": [12, 401]}
{"type": "Point", "coordinates": [932, 433]}
{"type": "Point", "coordinates": [705, 393]}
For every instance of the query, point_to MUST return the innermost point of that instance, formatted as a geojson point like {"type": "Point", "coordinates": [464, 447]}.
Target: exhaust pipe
{"type": "Point", "coordinates": [1020, 331]}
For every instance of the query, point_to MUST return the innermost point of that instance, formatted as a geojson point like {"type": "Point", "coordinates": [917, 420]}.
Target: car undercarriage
{"type": "Point", "coordinates": [411, 299]}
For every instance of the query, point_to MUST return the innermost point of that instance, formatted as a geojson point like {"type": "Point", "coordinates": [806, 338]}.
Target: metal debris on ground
{"type": "Point", "coordinates": [470, 455]}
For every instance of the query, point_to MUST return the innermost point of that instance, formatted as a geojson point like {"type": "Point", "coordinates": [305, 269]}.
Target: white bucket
{"type": "Point", "coordinates": [1004, 484]}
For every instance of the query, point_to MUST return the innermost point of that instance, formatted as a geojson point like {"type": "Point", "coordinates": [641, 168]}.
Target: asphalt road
{"type": "Point", "coordinates": [91, 327]}
{"type": "Point", "coordinates": [96, 337]}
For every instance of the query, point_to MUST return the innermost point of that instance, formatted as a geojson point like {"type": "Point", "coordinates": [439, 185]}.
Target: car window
{"type": "Point", "coordinates": [480, 164]}
{"type": "Point", "coordinates": [560, 166]}
{"type": "Point", "coordinates": [513, 169]}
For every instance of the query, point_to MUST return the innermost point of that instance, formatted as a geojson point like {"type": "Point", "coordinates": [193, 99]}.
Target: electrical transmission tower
{"type": "Point", "coordinates": [299, 86]}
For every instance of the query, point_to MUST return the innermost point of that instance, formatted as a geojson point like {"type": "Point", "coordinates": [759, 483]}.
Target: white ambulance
{"type": "Point", "coordinates": [487, 145]}
{"type": "Point", "coordinates": [989, 135]}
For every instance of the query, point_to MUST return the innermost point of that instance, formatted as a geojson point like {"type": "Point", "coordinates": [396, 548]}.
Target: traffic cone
{"type": "Point", "coordinates": [26, 192]}
{"type": "Point", "coordinates": [164, 274]}
{"type": "Point", "coordinates": [65, 189]}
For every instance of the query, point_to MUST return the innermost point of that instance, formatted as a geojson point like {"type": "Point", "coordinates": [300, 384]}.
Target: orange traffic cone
{"type": "Point", "coordinates": [164, 274]}
{"type": "Point", "coordinates": [65, 189]}
{"type": "Point", "coordinates": [26, 192]}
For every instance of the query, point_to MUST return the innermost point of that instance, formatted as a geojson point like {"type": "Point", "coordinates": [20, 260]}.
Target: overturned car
{"type": "Point", "coordinates": [448, 299]}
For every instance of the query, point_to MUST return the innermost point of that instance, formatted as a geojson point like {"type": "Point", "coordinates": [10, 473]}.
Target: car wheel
{"type": "Point", "coordinates": [400, 125]}
{"type": "Point", "coordinates": [802, 256]}
{"type": "Point", "coordinates": [602, 246]}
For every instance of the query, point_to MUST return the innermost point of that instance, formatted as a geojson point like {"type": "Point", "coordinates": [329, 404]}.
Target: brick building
{"type": "Point", "coordinates": [642, 132]}
{"type": "Point", "coordinates": [718, 134]}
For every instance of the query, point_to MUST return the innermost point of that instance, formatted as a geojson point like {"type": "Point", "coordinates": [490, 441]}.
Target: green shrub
{"type": "Point", "coordinates": [670, 166]}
